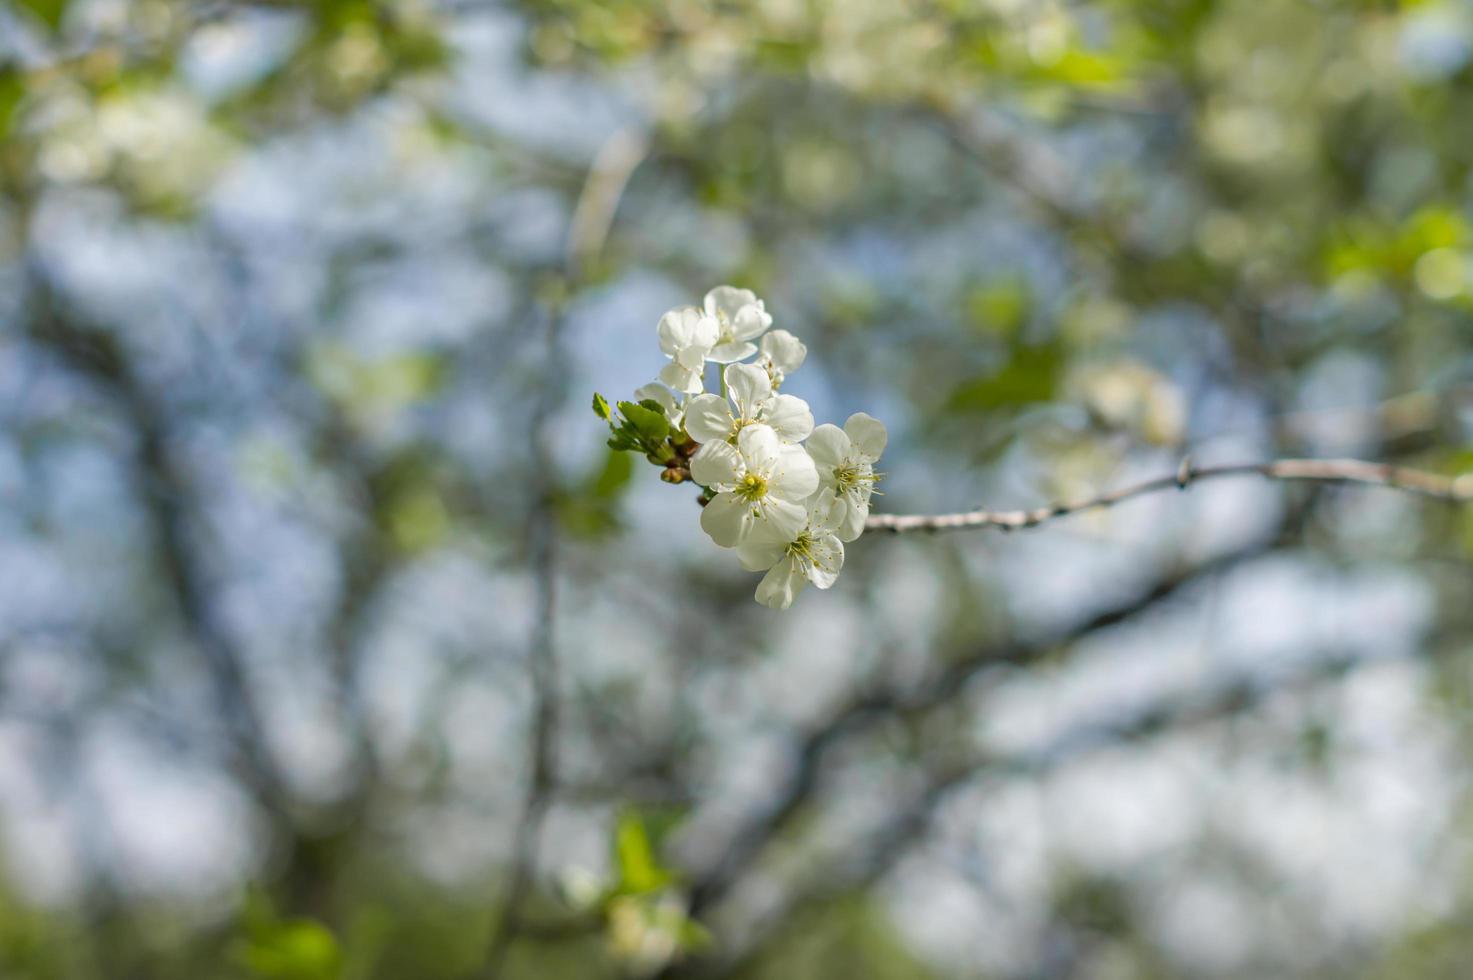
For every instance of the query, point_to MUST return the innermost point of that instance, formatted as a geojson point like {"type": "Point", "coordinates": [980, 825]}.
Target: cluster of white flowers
{"type": "Point", "coordinates": [784, 494]}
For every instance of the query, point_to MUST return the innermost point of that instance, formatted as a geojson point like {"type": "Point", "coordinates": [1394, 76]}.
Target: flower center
{"type": "Point", "coordinates": [724, 325]}
{"type": "Point", "coordinates": [849, 476]}
{"type": "Point", "coordinates": [802, 547]}
{"type": "Point", "coordinates": [752, 488]}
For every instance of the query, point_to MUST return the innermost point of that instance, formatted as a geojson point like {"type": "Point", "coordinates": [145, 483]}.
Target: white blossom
{"type": "Point", "coordinates": [711, 418]}
{"type": "Point", "coordinates": [686, 336]}
{"type": "Point", "coordinates": [740, 318]}
{"type": "Point", "coordinates": [812, 554]}
{"type": "Point", "coordinates": [759, 482]}
{"type": "Point", "coordinates": [781, 355]}
{"type": "Point", "coordinates": [846, 464]}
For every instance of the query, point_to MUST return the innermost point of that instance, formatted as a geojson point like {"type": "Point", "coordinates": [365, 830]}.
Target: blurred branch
{"type": "Point", "coordinates": [740, 854]}
{"type": "Point", "coordinates": [893, 838]}
{"type": "Point", "coordinates": [1456, 489]}
{"type": "Point", "coordinates": [168, 499]}
{"type": "Point", "coordinates": [602, 190]}
{"type": "Point", "coordinates": [588, 230]}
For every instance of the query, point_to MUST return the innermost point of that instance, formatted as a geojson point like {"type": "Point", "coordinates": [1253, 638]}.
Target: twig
{"type": "Point", "coordinates": [1457, 489]}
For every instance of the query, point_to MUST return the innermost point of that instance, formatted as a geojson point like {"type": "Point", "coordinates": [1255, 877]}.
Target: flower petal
{"type": "Point", "coordinates": [851, 524]}
{"type": "Point", "coordinates": [728, 300]}
{"type": "Point", "coordinates": [729, 352]}
{"type": "Point", "coordinates": [727, 519]}
{"type": "Point", "coordinates": [794, 477]}
{"type": "Point", "coordinates": [827, 511]}
{"type": "Point", "coordinates": [748, 387]}
{"type": "Point", "coordinates": [761, 448]}
{"type": "Point", "coordinates": [708, 418]}
{"type": "Point", "coordinates": [789, 417]}
{"type": "Point", "coordinates": [750, 321]}
{"type": "Point", "coordinates": [677, 329]}
{"type": "Point", "coordinates": [681, 378]}
{"type": "Point", "coordinates": [785, 351]}
{"type": "Point", "coordinates": [828, 445]}
{"type": "Point", "coordinates": [717, 464]}
{"type": "Point", "coordinates": [828, 558]}
{"type": "Point", "coordinates": [760, 551]}
{"type": "Point", "coordinates": [867, 433]}
{"type": "Point", "coordinates": [780, 586]}
{"type": "Point", "coordinates": [785, 519]}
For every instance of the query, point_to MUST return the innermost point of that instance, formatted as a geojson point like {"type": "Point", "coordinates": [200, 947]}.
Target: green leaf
{"type": "Point", "coordinates": [601, 407]}
{"type": "Point", "coordinates": [639, 871]}
{"type": "Point", "coordinates": [650, 424]}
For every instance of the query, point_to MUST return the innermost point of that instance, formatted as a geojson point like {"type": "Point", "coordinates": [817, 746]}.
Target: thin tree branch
{"type": "Point", "coordinates": [1456, 489]}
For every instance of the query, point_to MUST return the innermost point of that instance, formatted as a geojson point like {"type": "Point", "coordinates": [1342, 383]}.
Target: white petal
{"type": "Point", "coordinates": [852, 524]}
{"type": "Point", "coordinates": [827, 511]}
{"type": "Point", "coordinates": [828, 445]}
{"type": "Point", "coordinates": [794, 477]}
{"type": "Point", "coordinates": [734, 351]}
{"type": "Point", "coordinates": [692, 358]}
{"type": "Point", "coordinates": [785, 519]}
{"type": "Point", "coordinates": [761, 448]}
{"type": "Point", "coordinates": [748, 387]}
{"type": "Point", "coordinates": [780, 586]}
{"type": "Point", "coordinates": [661, 394]}
{"type": "Point", "coordinates": [677, 329]}
{"type": "Point", "coordinates": [681, 378]}
{"type": "Point", "coordinates": [760, 551]}
{"type": "Point", "coordinates": [828, 558]}
{"type": "Point", "coordinates": [750, 321]}
{"type": "Point", "coordinates": [717, 464]}
{"type": "Point", "coordinates": [727, 519]}
{"type": "Point", "coordinates": [728, 300]}
{"type": "Point", "coordinates": [785, 351]}
{"type": "Point", "coordinates": [867, 433]}
{"type": "Point", "coordinates": [708, 418]}
{"type": "Point", "coordinates": [705, 332]}
{"type": "Point", "coordinates": [789, 417]}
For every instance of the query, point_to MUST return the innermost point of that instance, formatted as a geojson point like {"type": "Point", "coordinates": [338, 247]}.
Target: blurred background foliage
{"type": "Point", "coordinates": [334, 643]}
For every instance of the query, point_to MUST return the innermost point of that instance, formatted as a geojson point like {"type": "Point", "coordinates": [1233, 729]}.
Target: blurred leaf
{"type": "Point", "coordinates": [601, 407]}
{"type": "Point", "coordinates": [618, 470]}
{"type": "Point", "coordinates": [639, 871]}
{"type": "Point", "coordinates": [49, 12]}
{"type": "Point", "coordinates": [1000, 307]}
{"type": "Point", "coordinates": [1031, 376]}
{"type": "Point", "coordinates": [285, 949]}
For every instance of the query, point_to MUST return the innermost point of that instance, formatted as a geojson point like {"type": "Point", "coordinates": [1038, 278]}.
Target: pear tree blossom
{"type": "Point", "coordinates": [686, 337]}
{"type": "Point", "coordinates": [780, 354]}
{"type": "Point", "coordinates": [813, 554]}
{"type": "Point", "coordinates": [740, 318]}
{"type": "Point", "coordinates": [846, 461]}
{"type": "Point", "coordinates": [759, 484]}
{"type": "Point", "coordinates": [785, 495]}
{"type": "Point", "coordinates": [711, 418]}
